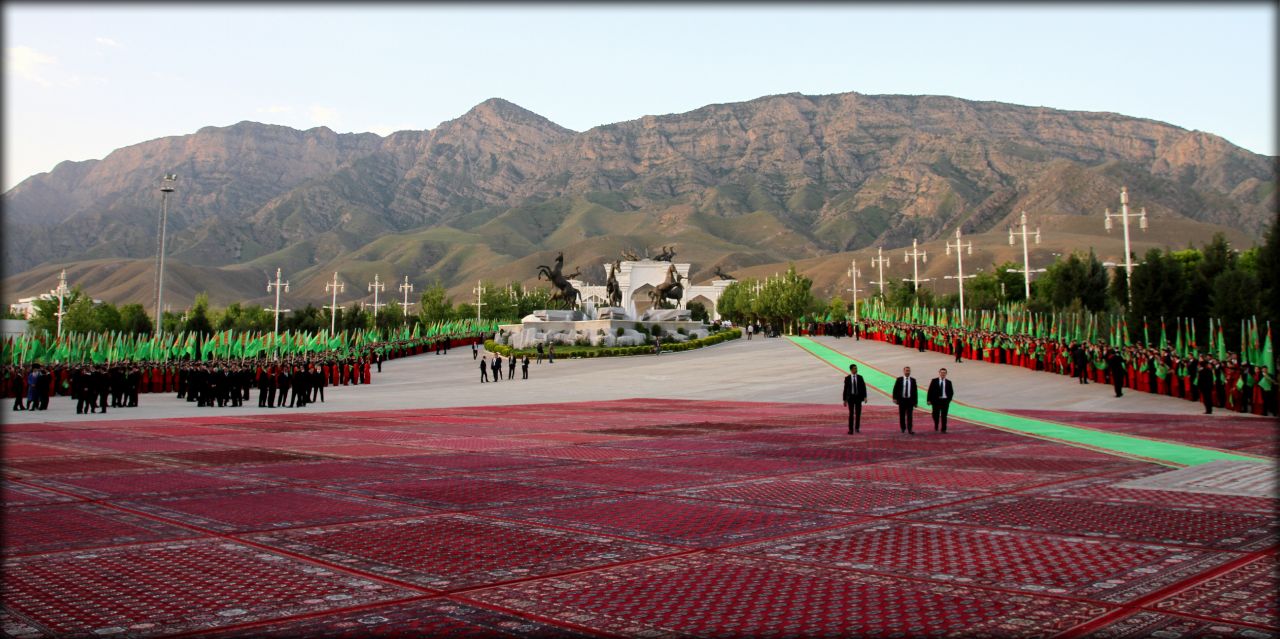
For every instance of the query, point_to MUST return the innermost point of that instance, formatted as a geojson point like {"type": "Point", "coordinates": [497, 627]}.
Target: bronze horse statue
{"type": "Point", "coordinates": [669, 289]}
{"type": "Point", "coordinates": [724, 276]}
{"type": "Point", "coordinates": [612, 288]}
{"type": "Point", "coordinates": [565, 292]}
{"type": "Point", "coordinates": [668, 252]}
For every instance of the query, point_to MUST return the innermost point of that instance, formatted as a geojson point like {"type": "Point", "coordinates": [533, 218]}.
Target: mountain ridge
{"type": "Point", "coordinates": [776, 178]}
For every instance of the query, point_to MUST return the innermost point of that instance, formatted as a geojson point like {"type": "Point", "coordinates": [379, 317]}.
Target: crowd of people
{"type": "Point", "coordinates": [1231, 384]}
{"type": "Point", "coordinates": [292, 381]}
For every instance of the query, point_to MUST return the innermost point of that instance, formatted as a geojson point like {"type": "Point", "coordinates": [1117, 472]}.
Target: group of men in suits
{"type": "Point", "coordinates": [906, 394]}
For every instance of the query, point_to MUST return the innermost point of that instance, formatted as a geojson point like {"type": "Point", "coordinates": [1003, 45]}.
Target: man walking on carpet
{"type": "Point", "coordinates": [906, 394]}
{"type": "Point", "coordinates": [854, 395]}
{"type": "Point", "coordinates": [939, 397]}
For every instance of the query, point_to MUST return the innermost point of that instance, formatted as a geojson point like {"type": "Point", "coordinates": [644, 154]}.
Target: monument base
{"type": "Point", "coordinates": [534, 330]}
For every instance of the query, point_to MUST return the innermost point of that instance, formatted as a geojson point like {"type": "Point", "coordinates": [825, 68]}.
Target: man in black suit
{"type": "Point", "coordinates": [939, 397]}
{"type": "Point", "coordinates": [1080, 361]}
{"type": "Point", "coordinates": [906, 394]}
{"type": "Point", "coordinates": [854, 395]}
{"type": "Point", "coordinates": [1116, 367]}
{"type": "Point", "coordinates": [1205, 381]}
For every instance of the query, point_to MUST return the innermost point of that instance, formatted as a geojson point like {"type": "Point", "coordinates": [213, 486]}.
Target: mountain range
{"type": "Point", "coordinates": [749, 187]}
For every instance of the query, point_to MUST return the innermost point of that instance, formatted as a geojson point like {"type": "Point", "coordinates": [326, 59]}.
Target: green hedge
{"type": "Point", "coordinates": [572, 352]}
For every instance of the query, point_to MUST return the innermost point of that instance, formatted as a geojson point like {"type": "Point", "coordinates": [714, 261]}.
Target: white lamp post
{"type": "Point", "coordinates": [479, 291]}
{"type": "Point", "coordinates": [916, 255]}
{"type": "Point", "coordinates": [853, 273]}
{"type": "Point", "coordinates": [960, 276]}
{"type": "Point", "coordinates": [880, 261]}
{"type": "Point", "coordinates": [1124, 216]}
{"type": "Point", "coordinates": [62, 292]}
{"type": "Point", "coordinates": [1026, 256]}
{"type": "Point", "coordinates": [277, 285]}
{"type": "Point", "coordinates": [336, 287]}
{"type": "Point", "coordinates": [376, 287]}
{"type": "Point", "coordinates": [166, 187]}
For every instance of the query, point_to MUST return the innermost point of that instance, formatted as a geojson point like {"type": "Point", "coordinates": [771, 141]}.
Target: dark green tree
{"type": "Point", "coordinates": [1268, 273]}
{"type": "Point", "coordinates": [135, 320]}
{"type": "Point", "coordinates": [198, 317]}
{"type": "Point", "coordinates": [1159, 286]}
{"type": "Point", "coordinates": [434, 305]}
{"type": "Point", "coordinates": [1118, 289]}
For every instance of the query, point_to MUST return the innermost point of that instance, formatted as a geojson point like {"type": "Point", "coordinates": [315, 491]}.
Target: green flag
{"type": "Point", "coordinates": [1268, 358]}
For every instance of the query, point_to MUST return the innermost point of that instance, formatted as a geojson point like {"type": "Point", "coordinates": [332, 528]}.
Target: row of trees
{"type": "Point", "coordinates": [1214, 280]}
{"type": "Point", "coordinates": [82, 315]}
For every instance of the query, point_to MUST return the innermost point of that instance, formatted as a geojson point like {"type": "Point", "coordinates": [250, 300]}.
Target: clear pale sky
{"type": "Point", "coordinates": [83, 80]}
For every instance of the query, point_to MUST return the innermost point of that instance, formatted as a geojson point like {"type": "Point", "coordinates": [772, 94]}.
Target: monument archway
{"type": "Point", "coordinates": [706, 303]}
{"type": "Point", "coordinates": [640, 299]}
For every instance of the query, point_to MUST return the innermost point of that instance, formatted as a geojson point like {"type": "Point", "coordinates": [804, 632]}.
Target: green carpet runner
{"type": "Point", "coordinates": [1115, 443]}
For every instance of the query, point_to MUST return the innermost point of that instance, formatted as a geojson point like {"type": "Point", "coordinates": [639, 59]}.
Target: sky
{"type": "Point", "coordinates": [81, 80]}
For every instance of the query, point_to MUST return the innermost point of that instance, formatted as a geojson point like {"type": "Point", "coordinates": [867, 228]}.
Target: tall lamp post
{"type": "Point", "coordinates": [277, 285]}
{"type": "Point", "coordinates": [406, 288]}
{"type": "Point", "coordinates": [1026, 256]}
{"type": "Point", "coordinates": [1124, 216]}
{"type": "Point", "coordinates": [62, 292]}
{"type": "Point", "coordinates": [916, 255]}
{"type": "Point", "coordinates": [166, 187]}
{"type": "Point", "coordinates": [375, 287]}
{"type": "Point", "coordinates": [336, 287]}
{"type": "Point", "coordinates": [960, 277]}
{"type": "Point", "coordinates": [853, 273]}
{"type": "Point", "coordinates": [880, 261]}
{"type": "Point", "coordinates": [479, 291]}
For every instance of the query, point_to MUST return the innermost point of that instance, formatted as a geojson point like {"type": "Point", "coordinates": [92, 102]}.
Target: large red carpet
{"type": "Point", "coordinates": [703, 519]}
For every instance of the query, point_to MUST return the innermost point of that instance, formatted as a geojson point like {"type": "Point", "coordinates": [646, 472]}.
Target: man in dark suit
{"type": "Point", "coordinates": [939, 397]}
{"type": "Point", "coordinates": [854, 395]}
{"type": "Point", "coordinates": [1205, 381]}
{"type": "Point", "coordinates": [906, 394]}
{"type": "Point", "coordinates": [1116, 367]}
{"type": "Point", "coordinates": [1080, 361]}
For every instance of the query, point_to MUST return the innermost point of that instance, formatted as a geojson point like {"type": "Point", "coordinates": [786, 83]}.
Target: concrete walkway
{"type": "Point", "coordinates": [762, 369]}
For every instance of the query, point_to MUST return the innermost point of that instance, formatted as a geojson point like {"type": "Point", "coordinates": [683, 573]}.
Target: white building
{"type": "Point", "coordinates": [26, 307]}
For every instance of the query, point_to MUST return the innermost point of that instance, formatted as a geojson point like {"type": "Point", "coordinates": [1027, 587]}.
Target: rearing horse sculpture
{"type": "Point", "coordinates": [612, 288]}
{"type": "Point", "coordinates": [669, 289]}
{"type": "Point", "coordinates": [565, 292]}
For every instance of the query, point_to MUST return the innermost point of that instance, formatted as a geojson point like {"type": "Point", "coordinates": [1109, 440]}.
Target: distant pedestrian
{"type": "Point", "coordinates": [474, 351]}
{"type": "Point", "coordinates": [484, 370]}
{"type": "Point", "coordinates": [539, 352]}
{"type": "Point", "coordinates": [524, 367]}
{"type": "Point", "coordinates": [551, 354]}
{"type": "Point", "coordinates": [497, 367]}
{"type": "Point", "coordinates": [511, 366]}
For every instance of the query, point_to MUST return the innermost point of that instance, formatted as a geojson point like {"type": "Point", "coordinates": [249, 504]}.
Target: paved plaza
{"type": "Point", "coordinates": [711, 493]}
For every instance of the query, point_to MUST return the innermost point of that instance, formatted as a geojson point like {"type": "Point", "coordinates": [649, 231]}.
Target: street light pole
{"type": "Point", "coordinates": [1124, 216]}
{"type": "Point", "coordinates": [376, 286]}
{"type": "Point", "coordinates": [277, 285]}
{"type": "Point", "coordinates": [479, 291]}
{"type": "Point", "coordinates": [853, 273]}
{"type": "Point", "coordinates": [336, 287]}
{"type": "Point", "coordinates": [916, 256]}
{"type": "Point", "coordinates": [1026, 256]}
{"type": "Point", "coordinates": [166, 187]}
{"type": "Point", "coordinates": [960, 276]}
{"type": "Point", "coordinates": [62, 292]}
{"type": "Point", "coordinates": [404, 306]}
{"type": "Point", "coordinates": [880, 261]}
